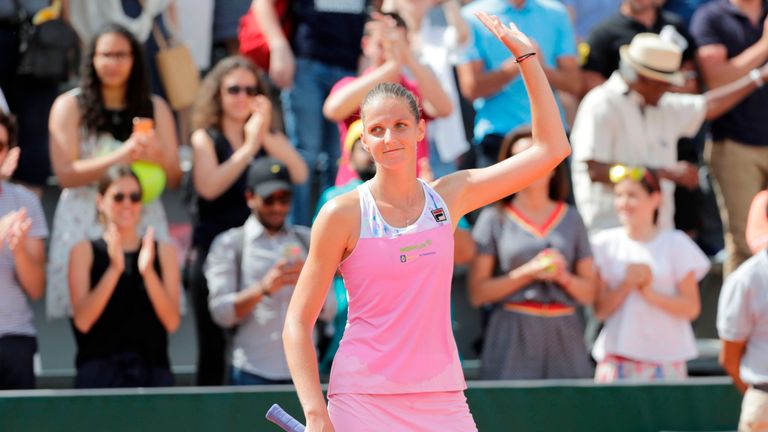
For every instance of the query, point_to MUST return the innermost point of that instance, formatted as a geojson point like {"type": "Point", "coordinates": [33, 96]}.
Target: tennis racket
{"type": "Point", "coordinates": [278, 416]}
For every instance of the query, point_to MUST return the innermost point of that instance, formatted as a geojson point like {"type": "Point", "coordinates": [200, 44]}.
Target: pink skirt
{"type": "Point", "coordinates": [438, 411]}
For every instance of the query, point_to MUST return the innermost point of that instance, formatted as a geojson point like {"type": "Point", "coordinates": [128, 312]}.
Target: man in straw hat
{"type": "Point", "coordinates": [634, 120]}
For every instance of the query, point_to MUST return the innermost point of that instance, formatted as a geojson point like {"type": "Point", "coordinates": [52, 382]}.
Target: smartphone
{"type": "Point", "coordinates": [143, 125]}
{"type": "Point", "coordinates": [292, 253]}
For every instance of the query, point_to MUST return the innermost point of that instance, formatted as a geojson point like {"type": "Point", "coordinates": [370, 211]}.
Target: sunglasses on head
{"type": "Point", "coordinates": [273, 199]}
{"type": "Point", "coordinates": [249, 90]}
{"type": "Point", "coordinates": [618, 173]}
{"type": "Point", "coordinates": [135, 197]}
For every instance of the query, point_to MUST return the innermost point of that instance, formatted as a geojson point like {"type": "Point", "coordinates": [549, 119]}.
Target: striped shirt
{"type": "Point", "coordinates": [15, 312]}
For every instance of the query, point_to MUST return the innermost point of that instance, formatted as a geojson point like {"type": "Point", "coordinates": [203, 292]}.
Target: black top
{"type": "Point", "coordinates": [721, 23]}
{"type": "Point", "coordinates": [128, 323]}
{"type": "Point", "coordinates": [329, 31]}
{"type": "Point", "coordinates": [605, 40]}
{"type": "Point", "coordinates": [227, 211]}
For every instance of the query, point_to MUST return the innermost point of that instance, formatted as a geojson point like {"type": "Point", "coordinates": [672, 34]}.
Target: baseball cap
{"type": "Point", "coordinates": [266, 176]}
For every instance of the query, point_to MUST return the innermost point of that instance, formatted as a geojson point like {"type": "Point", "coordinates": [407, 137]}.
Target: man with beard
{"type": "Point", "coordinates": [251, 271]}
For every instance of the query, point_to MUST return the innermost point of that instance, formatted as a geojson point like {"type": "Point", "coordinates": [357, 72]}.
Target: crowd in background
{"type": "Point", "coordinates": [665, 104]}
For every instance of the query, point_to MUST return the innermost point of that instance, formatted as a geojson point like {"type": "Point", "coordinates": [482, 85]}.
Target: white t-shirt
{"type": "Point", "coordinates": [613, 126]}
{"type": "Point", "coordinates": [637, 329]}
{"type": "Point", "coordinates": [742, 315]}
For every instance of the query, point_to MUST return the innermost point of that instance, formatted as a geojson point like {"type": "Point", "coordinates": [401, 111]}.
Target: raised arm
{"type": "Point", "coordinates": [331, 238]}
{"type": "Point", "coordinates": [282, 63]}
{"type": "Point", "coordinates": [472, 189]}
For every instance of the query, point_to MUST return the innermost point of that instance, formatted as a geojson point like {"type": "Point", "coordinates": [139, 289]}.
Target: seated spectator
{"type": "Point", "coordinates": [251, 271]}
{"type": "Point", "coordinates": [534, 265]}
{"type": "Point", "coordinates": [742, 323]}
{"type": "Point", "coordinates": [124, 290]}
{"type": "Point", "coordinates": [757, 223]}
{"type": "Point", "coordinates": [648, 291]}
{"type": "Point", "coordinates": [234, 123]}
{"type": "Point", "coordinates": [385, 47]}
{"type": "Point", "coordinates": [22, 271]}
{"type": "Point", "coordinates": [91, 130]}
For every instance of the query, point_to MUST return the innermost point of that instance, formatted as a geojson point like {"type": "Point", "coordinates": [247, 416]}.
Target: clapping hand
{"type": "Point", "coordinates": [10, 163]}
{"type": "Point", "coordinates": [257, 126]}
{"type": "Point", "coordinates": [114, 248]}
{"type": "Point", "coordinates": [14, 228]}
{"type": "Point", "coordinates": [147, 254]}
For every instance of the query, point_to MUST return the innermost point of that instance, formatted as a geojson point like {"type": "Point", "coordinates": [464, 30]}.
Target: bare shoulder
{"type": "Point", "coordinates": [82, 251]}
{"type": "Point", "coordinates": [344, 208]}
{"type": "Point", "coordinates": [66, 107]}
{"type": "Point", "coordinates": [338, 221]}
{"type": "Point", "coordinates": [200, 138]}
{"type": "Point", "coordinates": [160, 106]}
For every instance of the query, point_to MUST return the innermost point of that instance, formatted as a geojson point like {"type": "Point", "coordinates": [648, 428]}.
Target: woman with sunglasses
{"type": "Point", "coordinates": [648, 291]}
{"type": "Point", "coordinates": [91, 129]}
{"type": "Point", "coordinates": [398, 367]}
{"type": "Point", "coordinates": [235, 123]}
{"type": "Point", "coordinates": [124, 290]}
{"type": "Point", "coordinates": [534, 268]}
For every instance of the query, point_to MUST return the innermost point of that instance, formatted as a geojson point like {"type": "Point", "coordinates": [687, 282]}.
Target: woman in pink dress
{"type": "Point", "coordinates": [397, 367]}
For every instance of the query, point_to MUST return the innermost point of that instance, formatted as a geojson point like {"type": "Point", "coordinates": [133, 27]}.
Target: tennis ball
{"type": "Point", "coordinates": [151, 179]}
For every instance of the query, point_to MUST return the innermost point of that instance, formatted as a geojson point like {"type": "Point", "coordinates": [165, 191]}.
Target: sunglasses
{"type": "Point", "coordinates": [135, 197]}
{"type": "Point", "coordinates": [281, 199]}
{"type": "Point", "coordinates": [618, 173]}
{"type": "Point", "coordinates": [234, 90]}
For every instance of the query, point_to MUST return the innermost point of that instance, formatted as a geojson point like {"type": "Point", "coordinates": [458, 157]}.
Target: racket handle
{"type": "Point", "coordinates": [278, 416]}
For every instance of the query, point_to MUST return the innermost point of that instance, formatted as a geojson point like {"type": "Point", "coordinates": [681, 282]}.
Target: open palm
{"type": "Point", "coordinates": [510, 35]}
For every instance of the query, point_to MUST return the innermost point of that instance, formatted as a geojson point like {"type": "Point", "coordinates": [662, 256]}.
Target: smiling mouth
{"type": "Point", "coordinates": [393, 150]}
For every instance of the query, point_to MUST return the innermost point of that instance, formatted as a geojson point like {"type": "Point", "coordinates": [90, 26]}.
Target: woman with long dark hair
{"type": "Point", "coordinates": [124, 289]}
{"type": "Point", "coordinates": [234, 123]}
{"type": "Point", "coordinates": [91, 130]}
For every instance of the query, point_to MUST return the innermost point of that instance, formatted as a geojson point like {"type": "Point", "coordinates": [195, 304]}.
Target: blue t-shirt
{"type": "Point", "coordinates": [721, 23]}
{"type": "Point", "coordinates": [329, 31]}
{"type": "Point", "coordinates": [544, 21]}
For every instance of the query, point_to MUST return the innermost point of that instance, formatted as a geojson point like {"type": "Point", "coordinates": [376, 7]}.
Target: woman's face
{"type": "Point", "coordinates": [121, 202]}
{"type": "Point", "coordinates": [634, 204]}
{"type": "Point", "coordinates": [113, 59]}
{"type": "Point", "coordinates": [238, 89]}
{"type": "Point", "coordinates": [391, 132]}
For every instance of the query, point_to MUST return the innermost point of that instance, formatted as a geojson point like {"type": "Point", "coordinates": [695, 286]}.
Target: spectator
{"type": "Point", "coordinates": [742, 322]}
{"type": "Point", "coordinates": [757, 223]}
{"type": "Point", "coordinates": [226, 18]}
{"type": "Point", "coordinates": [324, 48]}
{"type": "Point", "coordinates": [733, 42]}
{"type": "Point", "coordinates": [22, 269]}
{"type": "Point", "coordinates": [124, 290]}
{"type": "Point", "coordinates": [534, 266]}
{"type": "Point", "coordinates": [385, 47]}
{"type": "Point", "coordinates": [633, 119]}
{"type": "Point", "coordinates": [648, 291]}
{"type": "Point", "coordinates": [633, 17]}
{"type": "Point", "coordinates": [91, 130]}
{"type": "Point", "coordinates": [251, 271]}
{"type": "Point", "coordinates": [490, 78]}
{"type": "Point", "coordinates": [235, 122]}
{"type": "Point", "coordinates": [586, 15]}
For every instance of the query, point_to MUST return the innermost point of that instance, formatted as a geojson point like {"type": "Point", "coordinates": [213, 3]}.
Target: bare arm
{"type": "Point", "coordinates": [434, 99]}
{"type": "Point", "coordinates": [277, 145]}
{"type": "Point", "coordinates": [332, 234]}
{"type": "Point", "coordinates": [345, 101]}
{"type": "Point", "coordinates": [88, 304]}
{"type": "Point", "coordinates": [472, 189]}
{"type": "Point", "coordinates": [566, 76]}
{"type": "Point", "coordinates": [212, 177]}
{"type": "Point", "coordinates": [29, 260]}
{"type": "Point", "coordinates": [682, 173]}
{"type": "Point", "coordinates": [475, 82]}
{"type": "Point", "coordinates": [282, 61]}
{"type": "Point", "coordinates": [166, 134]}
{"type": "Point", "coordinates": [580, 285]}
{"type": "Point", "coordinates": [464, 248]}
{"type": "Point", "coordinates": [164, 293]}
{"type": "Point", "coordinates": [722, 99]}
{"type": "Point", "coordinates": [64, 130]}
{"type": "Point", "coordinates": [590, 79]}
{"type": "Point", "coordinates": [730, 359]}
{"type": "Point", "coordinates": [452, 11]}
{"type": "Point", "coordinates": [686, 304]}
{"type": "Point", "coordinates": [484, 288]}
{"type": "Point", "coordinates": [717, 69]}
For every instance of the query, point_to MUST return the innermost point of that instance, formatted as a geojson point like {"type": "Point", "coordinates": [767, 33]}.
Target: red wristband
{"type": "Point", "coordinates": [523, 57]}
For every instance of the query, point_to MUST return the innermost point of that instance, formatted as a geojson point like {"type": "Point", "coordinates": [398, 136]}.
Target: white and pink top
{"type": "Point", "coordinates": [398, 337]}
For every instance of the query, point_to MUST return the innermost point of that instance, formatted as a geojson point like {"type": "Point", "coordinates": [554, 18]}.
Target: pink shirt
{"type": "Point", "coordinates": [398, 337]}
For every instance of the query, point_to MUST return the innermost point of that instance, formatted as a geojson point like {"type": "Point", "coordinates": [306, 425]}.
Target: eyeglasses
{"type": "Point", "coordinates": [135, 197]}
{"type": "Point", "coordinates": [117, 56]}
{"type": "Point", "coordinates": [274, 199]}
{"type": "Point", "coordinates": [236, 89]}
{"type": "Point", "coordinates": [618, 173]}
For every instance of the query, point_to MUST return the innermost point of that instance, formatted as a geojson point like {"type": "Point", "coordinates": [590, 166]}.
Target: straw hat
{"type": "Point", "coordinates": [654, 58]}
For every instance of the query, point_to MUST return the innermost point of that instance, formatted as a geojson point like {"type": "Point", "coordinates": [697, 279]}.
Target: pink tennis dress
{"type": "Point", "coordinates": [397, 367]}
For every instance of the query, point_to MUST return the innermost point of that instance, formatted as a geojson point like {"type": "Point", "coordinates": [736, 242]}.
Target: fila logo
{"type": "Point", "coordinates": [439, 215]}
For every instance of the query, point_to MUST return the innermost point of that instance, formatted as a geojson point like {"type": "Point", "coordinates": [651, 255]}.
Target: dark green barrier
{"type": "Point", "coordinates": [701, 405]}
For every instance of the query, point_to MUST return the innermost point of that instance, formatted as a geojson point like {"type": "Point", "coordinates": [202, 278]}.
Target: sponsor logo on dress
{"type": "Point", "coordinates": [439, 215]}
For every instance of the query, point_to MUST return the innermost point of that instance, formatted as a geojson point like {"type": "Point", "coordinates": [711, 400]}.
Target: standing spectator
{"type": "Point", "coordinates": [633, 17]}
{"type": "Point", "coordinates": [251, 271]}
{"type": "Point", "coordinates": [324, 48]}
{"type": "Point", "coordinates": [124, 289]}
{"type": "Point", "coordinates": [235, 122]}
{"type": "Point", "coordinates": [733, 42]}
{"type": "Point", "coordinates": [490, 78]}
{"type": "Point", "coordinates": [742, 322]}
{"type": "Point", "coordinates": [91, 130]}
{"type": "Point", "coordinates": [633, 119]}
{"type": "Point", "coordinates": [226, 17]}
{"type": "Point", "coordinates": [534, 266]}
{"type": "Point", "coordinates": [648, 293]}
{"type": "Point", "coordinates": [588, 14]}
{"type": "Point", "coordinates": [386, 48]}
{"type": "Point", "coordinates": [22, 271]}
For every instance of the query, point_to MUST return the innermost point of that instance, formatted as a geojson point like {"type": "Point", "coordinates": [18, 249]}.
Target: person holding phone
{"type": "Point", "coordinates": [91, 130]}
{"type": "Point", "coordinates": [235, 123]}
{"type": "Point", "coordinates": [124, 289]}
